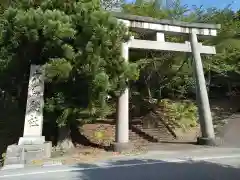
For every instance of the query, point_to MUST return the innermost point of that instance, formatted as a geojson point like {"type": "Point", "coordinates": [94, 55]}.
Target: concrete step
{"type": "Point", "coordinates": [161, 133]}
{"type": "Point", "coordinates": [156, 131]}
{"type": "Point", "coordinates": [153, 130]}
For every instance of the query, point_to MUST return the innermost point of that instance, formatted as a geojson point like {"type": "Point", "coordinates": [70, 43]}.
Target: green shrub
{"type": "Point", "coordinates": [179, 114]}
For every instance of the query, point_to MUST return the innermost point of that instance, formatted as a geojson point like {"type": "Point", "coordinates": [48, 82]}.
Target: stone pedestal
{"type": "Point", "coordinates": [25, 154]}
{"type": "Point", "coordinates": [32, 145]}
{"type": "Point", "coordinates": [31, 140]}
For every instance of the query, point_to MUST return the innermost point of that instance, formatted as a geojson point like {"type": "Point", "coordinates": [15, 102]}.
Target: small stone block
{"type": "Point", "coordinates": [14, 155]}
{"type": "Point", "coordinates": [52, 163]}
{"type": "Point", "coordinates": [13, 150]}
{"type": "Point", "coordinates": [48, 149]}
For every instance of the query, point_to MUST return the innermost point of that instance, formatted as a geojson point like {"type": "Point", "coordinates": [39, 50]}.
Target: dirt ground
{"type": "Point", "coordinates": [102, 135]}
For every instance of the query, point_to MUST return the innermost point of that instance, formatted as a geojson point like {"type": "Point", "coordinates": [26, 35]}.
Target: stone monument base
{"type": "Point", "coordinates": [31, 140]}
{"type": "Point", "coordinates": [26, 154]}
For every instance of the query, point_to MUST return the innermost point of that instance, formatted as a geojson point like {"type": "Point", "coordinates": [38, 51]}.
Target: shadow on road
{"type": "Point", "coordinates": [159, 170]}
{"type": "Point", "coordinates": [136, 169]}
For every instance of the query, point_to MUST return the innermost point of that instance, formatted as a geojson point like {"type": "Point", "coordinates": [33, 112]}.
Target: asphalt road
{"type": "Point", "coordinates": [211, 166]}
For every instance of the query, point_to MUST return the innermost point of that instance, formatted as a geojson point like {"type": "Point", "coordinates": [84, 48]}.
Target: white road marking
{"type": "Point", "coordinates": [215, 157]}
{"type": "Point", "coordinates": [160, 161]}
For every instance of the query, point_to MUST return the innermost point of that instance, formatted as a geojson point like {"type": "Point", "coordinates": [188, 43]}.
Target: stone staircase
{"type": "Point", "coordinates": [154, 134]}
{"type": "Point", "coordinates": [136, 138]}
{"type": "Point", "coordinates": [139, 135]}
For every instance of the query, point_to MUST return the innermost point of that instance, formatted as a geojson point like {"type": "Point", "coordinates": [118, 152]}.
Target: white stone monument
{"type": "Point", "coordinates": [32, 145]}
{"type": "Point", "coordinates": [34, 108]}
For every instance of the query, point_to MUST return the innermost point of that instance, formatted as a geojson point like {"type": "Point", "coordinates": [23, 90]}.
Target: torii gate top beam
{"type": "Point", "coordinates": [159, 28]}
{"type": "Point", "coordinates": [167, 26]}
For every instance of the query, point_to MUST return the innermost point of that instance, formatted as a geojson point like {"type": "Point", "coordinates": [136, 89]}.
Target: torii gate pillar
{"type": "Point", "coordinates": [205, 117]}
{"type": "Point", "coordinates": [122, 125]}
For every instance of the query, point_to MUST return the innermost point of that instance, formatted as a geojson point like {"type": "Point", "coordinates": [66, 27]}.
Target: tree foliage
{"type": "Point", "coordinates": [77, 42]}
{"type": "Point", "coordinates": [178, 74]}
{"type": "Point", "coordinates": [170, 75]}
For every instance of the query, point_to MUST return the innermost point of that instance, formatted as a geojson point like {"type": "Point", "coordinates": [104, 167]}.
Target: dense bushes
{"type": "Point", "coordinates": [179, 114]}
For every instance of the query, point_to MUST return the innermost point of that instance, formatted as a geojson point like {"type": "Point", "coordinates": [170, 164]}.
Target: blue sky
{"type": "Point", "coordinates": [213, 3]}
{"type": "Point", "coordinates": [210, 3]}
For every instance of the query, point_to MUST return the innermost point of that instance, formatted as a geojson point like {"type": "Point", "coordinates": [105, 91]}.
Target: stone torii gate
{"type": "Point", "coordinates": [159, 28]}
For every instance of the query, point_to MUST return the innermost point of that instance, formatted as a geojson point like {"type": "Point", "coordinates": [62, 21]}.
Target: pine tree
{"type": "Point", "coordinates": [78, 43]}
